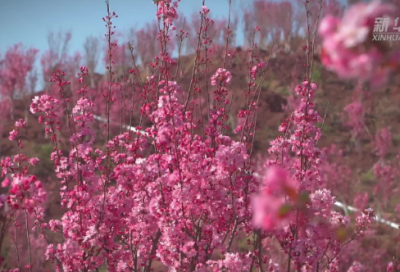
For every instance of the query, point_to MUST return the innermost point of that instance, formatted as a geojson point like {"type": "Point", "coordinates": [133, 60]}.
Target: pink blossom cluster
{"type": "Point", "coordinates": [356, 267]}
{"type": "Point", "coordinates": [355, 112]}
{"type": "Point", "coordinates": [25, 193]}
{"type": "Point", "coordinates": [18, 125]}
{"type": "Point", "coordinates": [22, 201]}
{"type": "Point", "coordinates": [364, 221]}
{"type": "Point", "coordinates": [221, 78]}
{"type": "Point", "coordinates": [269, 207]}
{"type": "Point", "coordinates": [232, 262]}
{"type": "Point", "coordinates": [44, 103]}
{"type": "Point", "coordinates": [383, 141]}
{"type": "Point", "coordinates": [391, 267]}
{"type": "Point", "coordinates": [205, 10]}
{"type": "Point", "coordinates": [167, 11]}
{"type": "Point", "coordinates": [257, 68]}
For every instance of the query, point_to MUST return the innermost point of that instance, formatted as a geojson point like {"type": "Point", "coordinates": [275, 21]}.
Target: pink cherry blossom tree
{"type": "Point", "coordinates": [14, 68]}
{"type": "Point", "coordinates": [173, 190]}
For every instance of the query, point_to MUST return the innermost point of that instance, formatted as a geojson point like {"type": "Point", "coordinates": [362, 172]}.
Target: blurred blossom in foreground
{"type": "Point", "coordinates": [356, 46]}
{"type": "Point", "coordinates": [270, 210]}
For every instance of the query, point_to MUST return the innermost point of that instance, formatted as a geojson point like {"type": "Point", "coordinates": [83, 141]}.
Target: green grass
{"type": "Point", "coordinates": [327, 129]}
{"type": "Point", "coordinates": [283, 91]}
{"type": "Point", "coordinates": [46, 165]}
{"type": "Point", "coordinates": [264, 84]}
{"type": "Point", "coordinates": [368, 177]}
{"type": "Point", "coordinates": [317, 73]}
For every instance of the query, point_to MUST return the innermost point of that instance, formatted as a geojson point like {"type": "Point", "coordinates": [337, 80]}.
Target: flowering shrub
{"type": "Point", "coordinates": [177, 191]}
